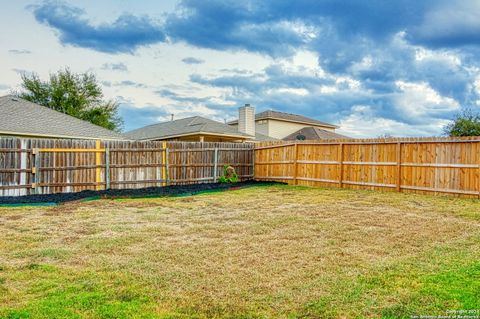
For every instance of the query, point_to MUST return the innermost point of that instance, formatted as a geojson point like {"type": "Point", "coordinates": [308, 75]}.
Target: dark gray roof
{"type": "Point", "coordinates": [314, 133]}
{"type": "Point", "coordinates": [23, 118]}
{"type": "Point", "coordinates": [264, 138]}
{"type": "Point", "coordinates": [288, 117]}
{"type": "Point", "coordinates": [185, 126]}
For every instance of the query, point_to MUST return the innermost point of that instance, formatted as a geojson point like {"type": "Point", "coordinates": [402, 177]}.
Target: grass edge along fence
{"type": "Point", "coordinates": [440, 165]}
{"type": "Point", "coordinates": [48, 166]}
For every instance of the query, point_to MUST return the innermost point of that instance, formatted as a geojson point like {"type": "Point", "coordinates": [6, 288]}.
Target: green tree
{"type": "Point", "coordinates": [78, 95]}
{"type": "Point", "coordinates": [466, 123]}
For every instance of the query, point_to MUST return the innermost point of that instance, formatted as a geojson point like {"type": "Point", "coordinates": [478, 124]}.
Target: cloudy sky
{"type": "Point", "coordinates": [374, 67]}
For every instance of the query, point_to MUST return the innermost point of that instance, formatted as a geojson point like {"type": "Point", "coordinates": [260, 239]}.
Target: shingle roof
{"type": "Point", "coordinates": [21, 117]}
{"type": "Point", "coordinates": [288, 117]}
{"type": "Point", "coordinates": [185, 126]}
{"type": "Point", "coordinates": [314, 133]}
{"type": "Point", "coordinates": [264, 138]}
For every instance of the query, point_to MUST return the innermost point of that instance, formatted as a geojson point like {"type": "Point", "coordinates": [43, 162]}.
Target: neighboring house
{"type": "Point", "coordinates": [284, 126]}
{"type": "Point", "coordinates": [313, 133]}
{"type": "Point", "coordinates": [265, 126]}
{"type": "Point", "coordinates": [22, 118]}
{"type": "Point", "coordinates": [193, 129]}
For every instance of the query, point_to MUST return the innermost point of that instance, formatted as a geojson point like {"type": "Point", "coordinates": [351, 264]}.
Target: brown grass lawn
{"type": "Point", "coordinates": [261, 252]}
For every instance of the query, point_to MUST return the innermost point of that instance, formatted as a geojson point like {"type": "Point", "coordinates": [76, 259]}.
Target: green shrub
{"type": "Point", "coordinates": [229, 175]}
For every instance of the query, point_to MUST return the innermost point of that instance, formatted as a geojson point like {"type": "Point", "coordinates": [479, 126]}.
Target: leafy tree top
{"type": "Point", "coordinates": [466, 123]}
{"type": "Point", "coordinates": [78, 95]}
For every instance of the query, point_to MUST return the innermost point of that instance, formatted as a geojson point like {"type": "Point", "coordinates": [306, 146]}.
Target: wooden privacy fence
{"type": "Point", "coordinates": [424, 165]}
{"type": "Point", "coordinates": [44, 166]}
{"type": "Point", "coordinates": [428, 165]}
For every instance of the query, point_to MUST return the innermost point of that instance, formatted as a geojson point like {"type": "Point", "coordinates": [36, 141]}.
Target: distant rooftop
{"type": "Point", "coordinates": [23, 118]}
{"type": "Point", "coordinates": [183, 127]}
{"type": "Point", "coordinates": [275, 115]}
{"type": "Point", "coordinates": [314, 133]}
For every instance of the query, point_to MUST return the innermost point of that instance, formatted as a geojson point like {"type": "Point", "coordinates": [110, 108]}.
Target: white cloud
{"type": "Point", "coordinates": [363, 122]}
{"type": "Point", "coordinates": [303, 63]}
{"type": "Point", "coordinates": [444, 57]}
{"type": "Point", "coordinates": [328, 89]}
{"type": "Point", "coordinates": [419, 99]}
{"type": "Point", "coordinates": [476, 84]}
{"type": "Point", "coordinates": [363, 65]}
{"type": "Point", "coordinates": [295, 91]}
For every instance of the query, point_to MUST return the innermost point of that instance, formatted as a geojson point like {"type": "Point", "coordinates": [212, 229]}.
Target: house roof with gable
{"type": "Point", "coordinates": [19, 117]}
{"type": "Point", "coordinates": [314, 133]}
{"type": "Point", "coordinates": [187, 126]}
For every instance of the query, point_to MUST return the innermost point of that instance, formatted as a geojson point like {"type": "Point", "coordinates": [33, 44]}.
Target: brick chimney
{"type": "Point", "coordinates": [246, 119]}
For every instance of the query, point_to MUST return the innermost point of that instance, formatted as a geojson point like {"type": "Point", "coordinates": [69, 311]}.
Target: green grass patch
{"type": "Point", "coordinates": [442, 279]}
{"type": "Point", "coordinates": [65, 293]}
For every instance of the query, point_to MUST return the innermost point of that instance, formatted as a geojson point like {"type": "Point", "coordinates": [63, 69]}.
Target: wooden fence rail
{"type": "Point", "coordinates": [428, 165]}
{"type": "Point", "coordinates": [42, 166]}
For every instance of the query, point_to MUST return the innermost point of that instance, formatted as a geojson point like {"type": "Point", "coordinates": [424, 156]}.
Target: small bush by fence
{"type": "Point", "coordinates": [423, 165]}
{"type": "Point", "coordinates": [46, 166]}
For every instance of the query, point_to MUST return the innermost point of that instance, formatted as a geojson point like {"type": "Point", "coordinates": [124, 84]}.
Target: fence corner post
{"type": "Point", "coordinates": [254, 154]}
{"type": "Point", "coordinates": [215, 165]}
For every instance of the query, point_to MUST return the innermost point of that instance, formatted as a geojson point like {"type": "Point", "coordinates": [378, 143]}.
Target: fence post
{"type": "Point", "coordinates": [98, 163]}
{"type": "Point", "coordinates": [399, 167]}
{"type": "Point", "coordinates": [253, 162]}
{"type": "Point", "coordinates": [295, 164]}
{"type": "Point", "coordinates": [107, 168]}
{"type": "Point", "coordinates": [36, 171]}
{"type": "Point", "coordinates": [167, 167]}
{"type": "Point", "coordinates": [341, 165]}
{"type": "Point", "coordinates": [478, 183]}
{"type": "Point", "coordinates": [215, 164]}
{"type": "Point", "coordinates": [164, 162]}
{"type": "Point", "coordinates": [23, 167]}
